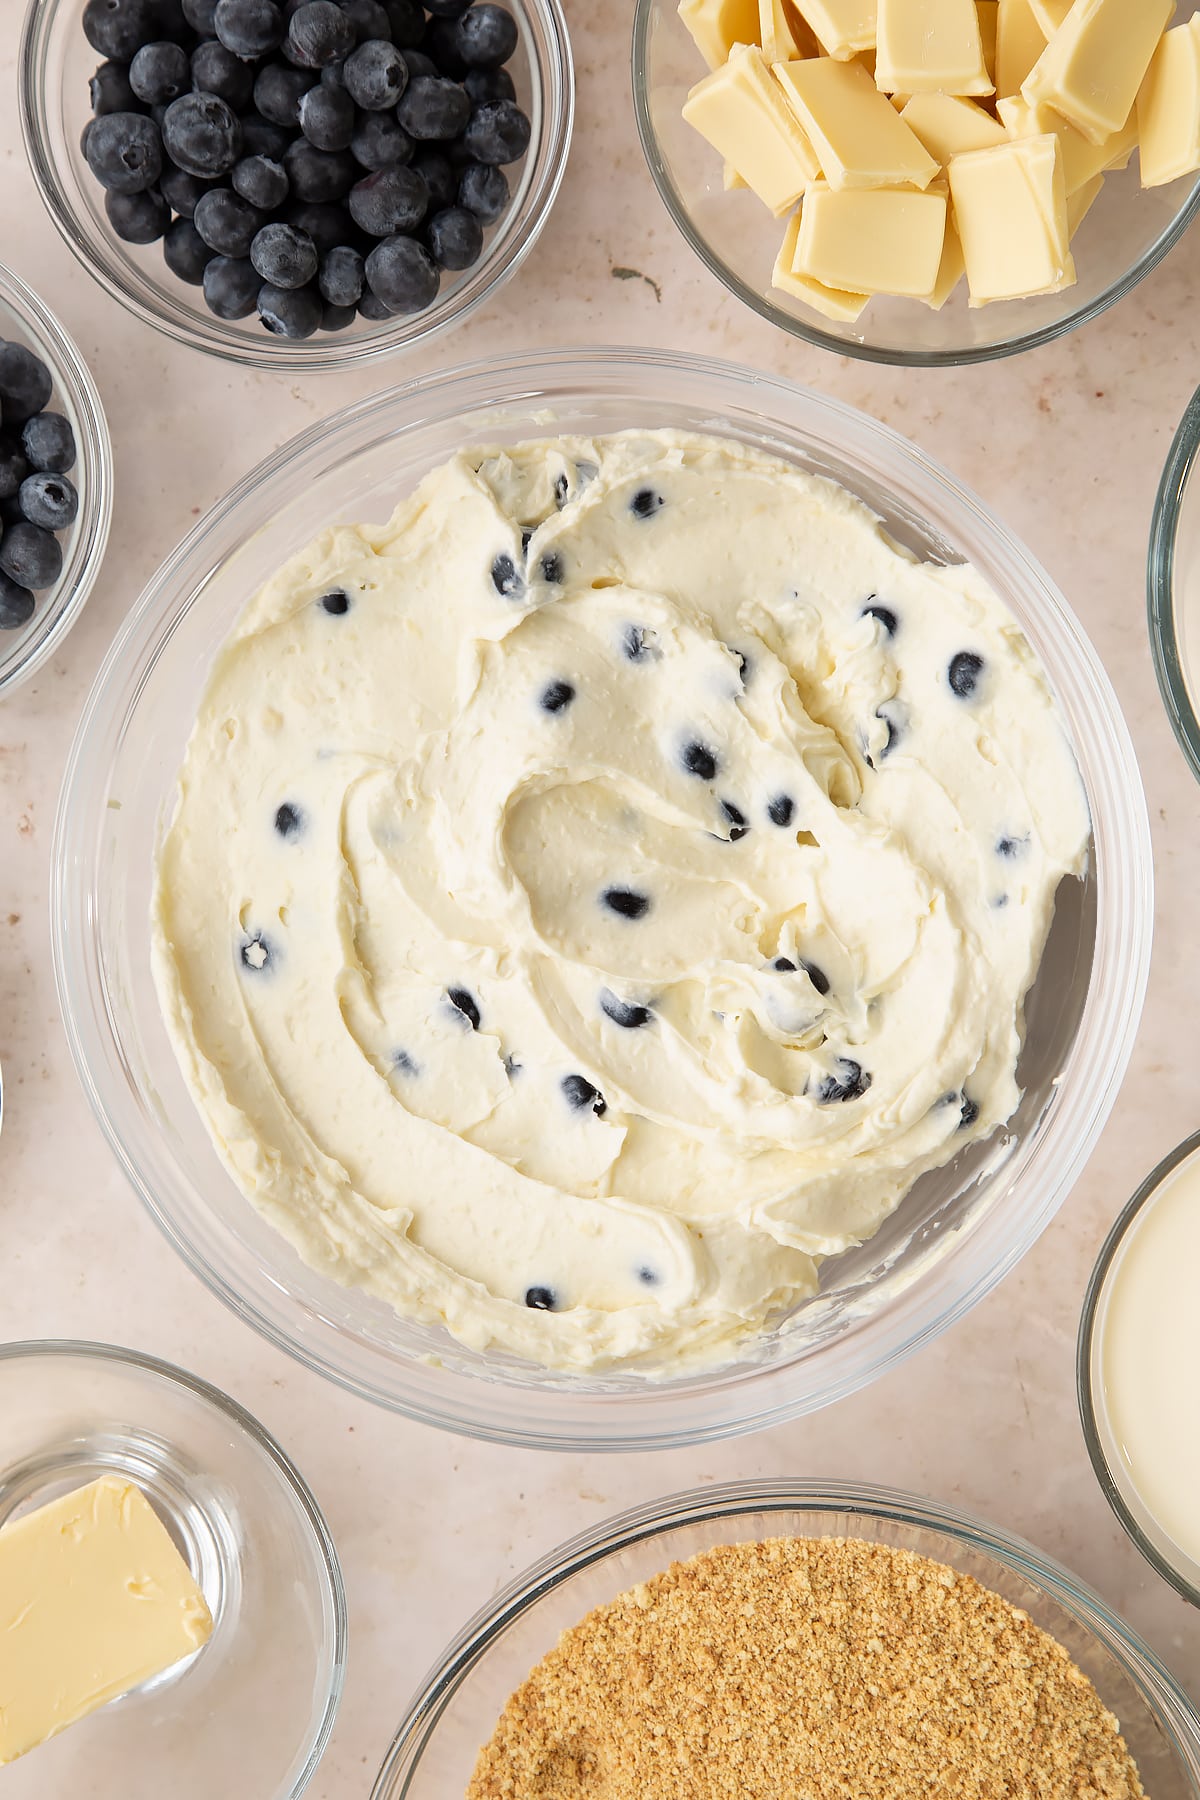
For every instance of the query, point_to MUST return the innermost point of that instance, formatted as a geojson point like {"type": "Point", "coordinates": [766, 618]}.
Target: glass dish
{"type": "Point", "coordinates": [1173, 586]}
{"type": "Point", "coordinates": [55, 64]}
{"type": "Point", "coordinates": [24, 318]}
{"type": "Point", "coordinates": [252, 1711]}
{"type": "Point", "coordinates": [1126, 234]}
{"type": "Point", "coordinates": [455, 1713]}
{"type": "Point", "coordinates": [958, 1232]}
{"type": "Point", "coordinates": [1103, 1441]}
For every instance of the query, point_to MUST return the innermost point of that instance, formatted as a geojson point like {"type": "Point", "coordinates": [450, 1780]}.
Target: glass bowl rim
{"type": "Point", "coordinates": [812, 333]}
{"type": "Point", "coordinates": [1160, 583]}
{"type": "Point", "coordinates": [1170, 1705]}
{"type": "Point", "coordinates": [1126, 1219]}
{"type": "Point", "coordinates": [325, 351]}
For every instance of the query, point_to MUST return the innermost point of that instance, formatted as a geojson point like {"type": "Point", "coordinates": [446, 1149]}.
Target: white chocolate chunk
{"type": "Point", "coordinates": [1168, 108]}
{"type": "Point", "coordinates": [843, 28]}
{"type": "Point", "coordinates": [1010, 207]}
{"type": "Point", "coordinates": [930, 46]}
{"type": "Point", "coordinates": [872, 240]}
{"type": "Point", "coordinates": [950, 271]}
{"type": "Point", "coordinates": [835, 303]}
{"type": "Point", "coordinates": [742, 112]}
{"type": "Point", "coordinates": [859, 138]}
{"type": "Point", "coordinates": [717, 25]}
{"type": "Point", "coordinates": [1093, 66]}
{"type": "Point", "coordinates": [1050, 15]}
{"type": "Point", "coordinates": [1020, 41]}
{"type": "Point", "coordinates": [989, 25]}
{"type": "Point", "coordinates": [782, 33]}
{"type": "Point", "coordinates": [949, 125]}
{"type": "Point", "coordinates": [1081, 159]}
{"type": "Point", "coordinates": [1080, 203]}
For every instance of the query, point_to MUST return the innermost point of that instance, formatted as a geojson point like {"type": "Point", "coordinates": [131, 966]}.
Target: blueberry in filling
{"type": "Point", "coordinates": [337, 603]}
{"type": "Point", "coordinates": [580, 1092]}
{"type": "Point", "coordinates": [505, 578]}
{"type": "Point", "coordinates": [255, 952]}
{"type": "Point", "coordinates": [634, 643]}
{"type": "Point", "coordinates": [463, 1001]}
{"type": "Point", "coordinates": [557, 695]}
{"type": "Point", "coordinates": [699, 760]}
{"type": "Point", "coordinates": [781, 810]}
{"type": "Point", "coordinates": [783, 965]}
{"type": "Point", "coordinates": [627, 902]}
{"type": "Point", "coordinates": [289, 820]}
{"type": "Point", "coordinates": [885, 615]}
{"type": "Point", "coordinates": [969, 1112]}
{"type": "Point", "coordinates": [1010, 846]}
{"type": "Point", "coordinates": [552, 567]}
{"type": "Point", "coordinates": [965, 669]}
{"type": "Point", "coordinates": [541, 1299]}
{"type": "Point", "coordinates": [623, 1012]}
{"type": "Point", "coordinates": [819, 979]}
{"type": "Point", "coordinates": [737, 820]}
{"type": "Point", "coordinates": [648, 1277]}
{"type": "Point", "coordinates": [561, 488]}
{"type": "Point", "coordinates": [404, 1063]}
{"type": "Point", "coordinates": [526, 539]}
{"type": "Point", "coordinates": [645, 503]}
{"type": "Point", "coordinates": [849, 1083]}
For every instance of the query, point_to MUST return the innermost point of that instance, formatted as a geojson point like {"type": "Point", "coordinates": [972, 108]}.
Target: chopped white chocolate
{"type": "Point", "coordinates": [988, 11]}
{"type": "Point", "coordinates": [859, 138]}
{"type": "Point", "coordinates": [1010, 208]}
{"type": "Point", "coordinates": [741, 110]}
{"type": "Point", "coordinates": [844, 28]}
{"type": "Point", "coordinates": [872, 240]}
{"type": "Point", "coordinates": [835, 303]}
{"type": "Point", "coordinates": [1020, 40]}
{"type": "Point", "coordinates": [782, 33]}
{"type": "Point", "coordinates": [949, 125]}
{"type": "Point", "coordinates": [950, 271]}
{"type": "Point", "coordinates": [1168, 107]}
{"type": "Point", "coordinates": [1079, 204]}
{"type": "Point", "coordinates": [930, 46]}
{"type": "Point", "coordinates": [1093, 66]}
{"type": "Point", "coordinates": [1050, 14]}
{"type": "Point", "coordinates": [1081, 159]}
{"type": "Point", "coordinates": [717, 25]}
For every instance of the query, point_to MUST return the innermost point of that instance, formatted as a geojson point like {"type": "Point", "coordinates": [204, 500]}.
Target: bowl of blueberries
{"type": "Point", "coordinates": [298, 184]}
{"type": "Point", "coordinates": [56, 480]}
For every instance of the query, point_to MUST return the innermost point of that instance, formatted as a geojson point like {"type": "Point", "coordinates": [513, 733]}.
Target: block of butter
{"type": "Point", "coordinates": [1010, 207]}
{"type": "Point", "coordinates": [844, 28]}
{"type": "Point", "coordinates": [859, 138]}
{"type": "Point", "coordinates": [1081, 159]}
{"type": "Point", "coordinates": [929, 47]}
{"type": "Point", "coordinates": [1168, 107]}
{"type": "Point", "coordinates": [1020, 40]}
{"type": "Point", "coordinates": [948, 125]}
{"type": "Point", "coordinates": [94, 1600]}
{"type": "Point", "coordinates": [782, 33]}
{"type": "Point", "coordinates": [1093, 66]}
{"type": "Point", "coordinates": [872, 240]}
{"type": "Point", "coordinates": [717, 25]}
{"type": "Point", "coordinates": [835, 303]}
{"type": "Point", "coordinates": [741, 110]}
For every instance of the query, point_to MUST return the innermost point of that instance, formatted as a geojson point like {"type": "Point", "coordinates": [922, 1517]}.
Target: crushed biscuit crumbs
{"type": "Point", "coordinates": [817, 1669]}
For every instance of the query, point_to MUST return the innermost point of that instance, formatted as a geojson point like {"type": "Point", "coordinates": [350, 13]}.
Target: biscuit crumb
{"type": "Point", "coordinates": [821, 1668]}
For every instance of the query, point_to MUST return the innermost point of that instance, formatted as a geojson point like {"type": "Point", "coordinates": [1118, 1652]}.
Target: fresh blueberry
{"type": "Point", "coordinates": [964, 672]}
{"type": "Point", "coordinates": [483, 190]}
{"type": "Point", "coordinates": [110, 90]}
{"type": "Point", "coordinates": [556, 696]}
{"type": "Point", "coordinates": [185, 252]}
{"type": "Point", "coordinates": [541, 1299]}
{"type": "Point", "coordinates": [376, 75]}
{"type": "Point", "coordinates": [228, 224]}
{"type": "Point", "coordinates": [201, 15]}
{"type": "Point", "coordinates": [817, 976]}
{"type": "Point", "coordinates": [369, 19]}
{"type": "Point", "coordinates": [255, 951]}
{"type": "Point", "coordinates": [498, 132]}
{"type": "Point", "coordinates": [337, 318]}
{"type": "Point", "coordinates": [552, 568]}
{"type": "Point", "coordinates": [49, 501]}
{"type": "Point", "coordinates": [49, 442]}
{"type": "Point", "coordinates": [506, 577]}
{"type": "Point", "coordinates": [390, 200]}
{"type": "Point", "coordinates": [885, 615]}
{"type": "Point", "coordinates": [455, 238]}
{"type": "Point", "coordinates": [485, 36]}
{"type": "Point", "coordinates": [318, 33]}
{"type": "Point", "coordinates": [119, 28]}
{"type": "Point", "coordinates": [25, 382]}
{"type": "Point", "coordinates": [623, 1012]}
{"type": "Point", "coordinates": [216, 70]}
{"type": "Point", "coordinates": [261, 181]}
{"type": "Point", "coordinates": [373, 308]}
{"type": "Point", "coordinates": [289, 820]}
{"type": "Point", "coordinates": [172, 23]}
{"type": "Point", "coordinates": [440, 43]}
{"type": "Point", "coordinates": [124, 152]}
{"type": "Point", "coordinates": [327, 117]}
{"type": "Point", "coordinates": [278, 91]}
{"type": "Point", "coordinates": [737, 820]}
{"type": "Point", "coordinates": [17, 604]}
{"type": "Point", "coordinates": [250, 28]}
{"type": "Point", "coordinates": [325, 224]}
{"type": "Point", "coordinates": [407, 22]}
{"type": "Point", "coordinates": [439, 176]}
{"type": "Point", "coordinates": [627, 902]}
{"type": "Point", "coordinates": [201, 134]}
{"type": "Point", "coordinates": [341, 277]}
{"type": "Point", "coordinates": [289, 312]}
{"type": "Point", "coordinates": [849, 1083]}
{"type": "Point", "coordinates": [580, 1092]}
{"type": "Point", "coordinates": [645, 503]}
{"type": "Point", "coordinates": [285, 257]}
{"type": "Point", "coordinates": [434, 109]}
{"type": "Point", "coordinates": [138, 218]}
{"type": "Point", "coordinates": [160, 72]}
{"type": "Point", "coordinates": [14, 466]}
{"type": "Point", "coordinates": [489, 84]}
{"type": "Point", "coordinates": [336, 602]}
{"type": "Point", "coordinates": [464, 1002]}
{"type": "Point", "coordinates": [404, 1063]}
{"type": "Point", "coordinates": [446, 9]}
{"type": "Point", "coordinates": [417, 63]}
{"type": "Point", "coordinates": [968, 1114]}
{"type": "Point", "coordinates": [231, 287]}
{"type": "Point", "coordinates": [182, 191]}
{"type": "Point", "coordinates": [30, 556]}
{"type": "Point", "coordinates": [781, 810]}
{"type": "Point", "coordinates": [319, 175]}
{"type": "Point", "coordinates": [699, 760]}
{"type": "Point", "coordinates": [379, 142]}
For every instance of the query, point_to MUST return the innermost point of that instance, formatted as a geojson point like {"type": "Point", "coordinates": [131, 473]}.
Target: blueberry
{"type": "Point", "coordinates": [556, 696]}
{"type": "Point", "coordinates": [201, 15]}
{"type": "Point", "coordinates": [885, 615]}
{"type": "Point", "coordinates": [439, 176]}
{"type": "Point", "coordinates": [737, 820]}
{"type": "Point", "coordinates": [25, 383]}
{"type": "Point", "coordinates": [372, 307]}
{"type": "Point", "coordinates": [390, 200]}
{"type": "Point", "coordinates": [261, 181]}
{"type": "Point", "coordinates": [336, 602]}
{"type": "Point", "coordinates": [319, 175]}
{"type": "Point", "coordinates": [580, 1092]}
{"type": "Point", "coordinates": [455, 238]}
{"type": "Point", "coordinates": [416, 61]}
{"type": "Point", "coordinates": [278, 92]}
{"type": "Point", "coordinates": [255, 951]}
{"type": "Point", "coordinates": [433, 109]}
{"type": "Point", "coordinates": [201, 134]}
{"type": "Point", "coordinates": [231, 287]}
{"type": "Point", "coordinates": [817, 976]}
{"type": "Point", "coordinates": [623, 1012]}
{"type": "Point", "coordinates": [182, 191]}
{"type": "Point", "coordinates": [289, 312]}
{"type": "Point", "coordinates": [285, 257]}
{"type": "Point", "coordinates": [498, 132]}
{"type": "Point", "coordinates": [402, 274]}
{"type": "Point", "coordinates": [648, 1277]}
{"type": "Point", "coordinates": [781, 810]}
{"type": "Point", "coordinates": [446, 9]}
{"type": "Point", "coordinates": [49, 501]}
{"type": "Point", "coordinates": [250, 28]}
{"type": "Point", "coordinates": [440, 43]}
{"type": "Point", "coordinates": [216, 70]}
{"type": "Point", "coordinates": [119, 28]}
{"type": "Point", "coordinates": [341, 276]}
{"type": "Point", "coordinates": [526, 539]}
{"type": "Point", "coordinates": [124, 152]}
{"type": "Point", "coordinates": [138, 218]}
{"type": "Point", "coordinates": [463, 1001]}
{"type": "Point", "coordinates": [1011, 846]}
{"type": "Point", "coordinates": [289, 820]}
{"type": "Point", "coordinates": [405, 1064]}
{"type": "Point", "coordinates": [489, 84]}
{"type": "Point", "coordinates": [228, 224]}
{"type": "Point", "coordinates": [552, 568]}
{"type": "Point", "coordinates": [337, 318]}
{"type": "Point", "coordinates": [160, 73]}
{"type": "Point", "coordinates": [369, 19]}
{"type": "Point", "coordinates": [485, 36]}
{"type": "Point", "coordinates": [30, 556]}
{"type": "Point", "coordinates": [895, 732]}
{"type": "Point", "coordinates": [327, 117]}
{"type": "Point", "coordinates": [506, 578]}
{"type": "Point", "coordinates": [699, 760]}
{"type": "Point", "coordinates": [964, 672]}
{"type": "Point", "coordinates": [407, 22]}
{"type": "Point", "coordinates": [13, 465]}
{"type": "Point", "coordinates": [110, 90]}
{"type": "Point", "coordinates": [627, 902]}
{"type": "Point", "coordinates": [379, 141]}
{"type": "Point", "coordinates": [968, 1114]}
{"type": "Point", "coordinates": [318, 33]}
{"type": "Point", "coordinates": [645, 503]}
{"type": "Point", "coordinates": [541, 1299]}
{"type": "Point", "coordinates": [16, 604]}
{"type": "Point", "coordinates": [375, 75]}
{"type": "Point", "coordinates": [849, 1083]}
{"type": "Point", "coordinates": [185, 252]}
{"type": "Point", "coordinates": [633, 643]}
{"type": "Point", "coordinates": [783, 965]}
{"type": "Point", "coordinates": [326, 224]}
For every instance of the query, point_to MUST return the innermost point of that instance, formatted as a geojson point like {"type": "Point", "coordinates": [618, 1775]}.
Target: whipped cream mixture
{"type": "Point", "coordinates": [597, 894]}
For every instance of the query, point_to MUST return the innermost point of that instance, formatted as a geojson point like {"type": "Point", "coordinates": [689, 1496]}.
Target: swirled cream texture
{"type": "Point", "coordinates": [597, 894]}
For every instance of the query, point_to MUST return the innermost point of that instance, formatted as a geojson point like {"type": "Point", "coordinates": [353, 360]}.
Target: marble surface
{"type": "Point", "coordinates": [1067, 444]}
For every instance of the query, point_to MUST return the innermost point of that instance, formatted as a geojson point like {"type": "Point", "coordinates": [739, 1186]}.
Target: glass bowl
{"type": "Point", "coordinates": [959, 1230]}
{"type": "Point", "coordinates": [56, 62]}
{"type": "Point", "coordinates": [1126, 234]}
{"type": "Point", "coordinates": [252, 1711]}
{"type": "Point", "coordinates": [1173, 586]}
{"type": "Point", "coordinates": [455, 1713]}
{"type": "Point", "coordinates": [1104, 1443]}
{"type": "Point", "coordinates": [24, 317]}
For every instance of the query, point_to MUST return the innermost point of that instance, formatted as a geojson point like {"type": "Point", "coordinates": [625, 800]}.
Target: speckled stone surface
{"type": "Point", "coordinates": [1067, 445]}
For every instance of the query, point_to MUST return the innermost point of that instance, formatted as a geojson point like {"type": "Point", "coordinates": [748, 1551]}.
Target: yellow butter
{"type": "Point", "coordinates": [1020, 40]}
{"type": "Point", "coordinates": [949, 125]}
{"type": "Point", "coordinates": [835, 303]}
{"type": "Point", "coordinates": [741, 110]}
{"type": "Point", "coordinates": [1168, 107]}
{"type": "Point", "coordinates": [988, 12]}
{"type": "Point", "coordinates": [930, 46]}
{"type": "Point", "coordinates": [94, 1600]}
{"type": "Point", "coordinates": [1010, 207]}
{"type": "Point", "coordinates": [1050, 14]}
{"type": "Point", "coordinates": [717, 25]}
{"type": "Point", "coordinates": [843, 28]}
{"type": "Point", "coordinates": [859, 138]}
{"type": "Point", "coordinates": [872, 240]}
{"type": "Point", "coordinates": [782, 33]}
{"type": "Point", "coordinates": [1080, 203]}
{"type": "Point", "coordinates": [1093, 66]}
{"type": "Point", "coordinates": [1081, 159]}
{"type": "Point", "coordinates": [951, 269]}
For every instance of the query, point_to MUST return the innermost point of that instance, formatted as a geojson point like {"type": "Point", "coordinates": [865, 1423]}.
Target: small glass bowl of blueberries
{"type": "Point", "coordinates": [56, 478]}
{"type": "Point", "coordinates": [298, 184]}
